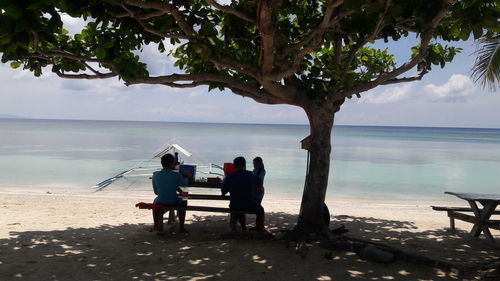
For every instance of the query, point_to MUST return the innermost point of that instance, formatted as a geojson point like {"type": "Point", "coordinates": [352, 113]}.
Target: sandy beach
{"type": "Point", "coordinates": [55, 234]}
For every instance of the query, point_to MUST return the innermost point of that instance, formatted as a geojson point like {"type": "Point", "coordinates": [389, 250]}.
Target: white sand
{"type": "Point", "coordinates": [52, 234]}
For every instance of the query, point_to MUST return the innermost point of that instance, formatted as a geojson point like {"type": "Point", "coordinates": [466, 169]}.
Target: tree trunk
{"type": "Point", "coordinates": [312, 208]}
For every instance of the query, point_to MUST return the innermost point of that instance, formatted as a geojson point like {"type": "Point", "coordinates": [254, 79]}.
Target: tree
{"type": "Point", "coordinates": [486, 69]}
{"type": "Point", "coordinates": [308, 53]}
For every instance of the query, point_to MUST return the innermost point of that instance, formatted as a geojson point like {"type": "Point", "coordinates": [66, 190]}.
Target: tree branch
{"type": "Point", "coordinates": [197, 79]}
{"type": "Point", "coordinates": [361, 43]}
{"type": "Point", "coordinates": [240, 67]}
{"type": "Point", "coordinates": [179, 18]}
{"type": "Point", "coordinates": [147, 16]}
{"type": "Point", "coordinates": [268, 34]}
{"type": "Point", "coordinates": [425, 39]}
{"type": "Point", "coordinates": [230, 10]}
{"type": "Point", "coordinates": [309, 42]}
{"type": "Point", "coordinates": [317, 32]}
{"type": "Point", "coordinates": [405, 79]}
{"type": "Point", "coordinates": [259, 99]}
{"type": "Point", "coordinates": [265, 99]}
{"type": "Point", "coordinates": [186, 85]}
{"type": "Point", "coordinates": [49, 55]}
{"type": "Point", "coordinates": [338, 50]}
{"type": "Point", "coordinates": [151, 30]}
{"type": "Point", "coordinates": [86, 76]}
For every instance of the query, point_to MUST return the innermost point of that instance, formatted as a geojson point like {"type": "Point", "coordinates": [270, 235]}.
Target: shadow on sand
{"type": "Point", "coordinates": [131, 252]}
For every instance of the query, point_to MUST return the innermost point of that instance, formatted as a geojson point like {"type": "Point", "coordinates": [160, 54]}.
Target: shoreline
{"type": "Point", "coordinates": [288, 196]}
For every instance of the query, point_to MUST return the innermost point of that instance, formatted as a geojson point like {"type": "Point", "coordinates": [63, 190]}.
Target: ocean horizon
{"type": "Point", "coordinates": [367, 161]}
{"type": "Point", "coordinates": [17, 117]}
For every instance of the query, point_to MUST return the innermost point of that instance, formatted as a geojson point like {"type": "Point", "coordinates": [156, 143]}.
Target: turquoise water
{"type": "Point", "coordinates": [368, 162]}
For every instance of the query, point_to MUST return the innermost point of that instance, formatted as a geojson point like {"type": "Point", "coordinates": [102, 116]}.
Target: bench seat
{"type": "Point", "coordinates": [457, 209]}
{"type": "Point", "coordinates": [200, 209]}
{"type": "Point", "coordinates": [454, 213]}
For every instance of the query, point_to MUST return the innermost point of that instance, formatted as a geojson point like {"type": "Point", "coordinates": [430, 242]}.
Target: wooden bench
{"type": "Point", "coordinates": [202, 209]}
{"type": "Point", "coordinates": [171, 216]}
{"type": "Point", "coordinates": [454, 213]}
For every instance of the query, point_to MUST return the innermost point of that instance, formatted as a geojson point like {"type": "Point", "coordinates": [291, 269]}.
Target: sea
{"type": "Point", "coordinates": [367, 161]}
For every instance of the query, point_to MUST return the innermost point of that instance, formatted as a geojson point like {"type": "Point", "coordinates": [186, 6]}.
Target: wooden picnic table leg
{"type": "Point", "coordinates": [481, 217]}
{"type": "Point", "coordinates": [488, 209]}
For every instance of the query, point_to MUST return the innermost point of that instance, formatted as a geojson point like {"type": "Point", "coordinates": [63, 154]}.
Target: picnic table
{"type": "Point", "coordinates": [214, 186]}
{"type": "Point", "coordinates": [208, 185]}
{"type": "Point", "coordinates": [481, 216]}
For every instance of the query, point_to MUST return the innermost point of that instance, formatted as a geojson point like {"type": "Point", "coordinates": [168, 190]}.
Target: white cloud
{"type": "Point", "coordinates": [198, 92]}
{"type": "Point", "coordinates": [109, 86]}
{"type": "Point", "coordinates": [393, 94]}
{"type": "Point", "coordinates": [115, 99]}
{"type": "Point", "coordinates": [159, 63]}
{"type": "Point", "coordinates": [73, 25]}
{"type": "Point", "coordinates": [158, 110]}
{"type": "Point", "coordinates": [457, 89]}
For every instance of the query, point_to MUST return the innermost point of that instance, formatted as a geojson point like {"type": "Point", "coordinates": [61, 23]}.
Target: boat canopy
{"type": "Point", "coordinates": [168, 147]}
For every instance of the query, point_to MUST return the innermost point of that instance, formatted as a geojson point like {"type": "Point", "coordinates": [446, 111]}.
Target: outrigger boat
{"type": "Point", "coordinates": [146, 168]}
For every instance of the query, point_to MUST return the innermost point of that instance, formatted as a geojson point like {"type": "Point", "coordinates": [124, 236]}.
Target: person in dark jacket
{"type": "Point", "coordinates": [242, 186]}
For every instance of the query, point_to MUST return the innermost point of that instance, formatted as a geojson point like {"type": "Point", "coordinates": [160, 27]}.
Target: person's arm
{"type": "Point", "coordinates": [262, 175]}
{"type": "Point", "coordinates": [155, 188]}
{"type": "Point", "coordinates": [180, 182]}
{"type": "Point", "coordinates": [258, 185]}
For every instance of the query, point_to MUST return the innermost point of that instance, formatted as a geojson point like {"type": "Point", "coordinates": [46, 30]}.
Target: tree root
{"type": "Point", "coordinates": [334, 240]}
{"type": "Point", "coordinates": [489, 271]}
{"type": "Point", "coordinates": [300, 238]}
{"type": "Point", "coordinates": [357, 245]}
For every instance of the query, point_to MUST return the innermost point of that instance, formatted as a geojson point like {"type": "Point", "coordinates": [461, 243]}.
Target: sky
{"type": "Point", "coordinates": [443, 98]}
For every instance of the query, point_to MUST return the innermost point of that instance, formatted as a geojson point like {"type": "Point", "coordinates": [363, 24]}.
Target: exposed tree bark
{"type": "Point", "coordinates": [321, 120]}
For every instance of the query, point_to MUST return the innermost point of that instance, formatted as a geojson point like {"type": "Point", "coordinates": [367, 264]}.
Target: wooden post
{"type": "Point", "coordinates": [452, 222]}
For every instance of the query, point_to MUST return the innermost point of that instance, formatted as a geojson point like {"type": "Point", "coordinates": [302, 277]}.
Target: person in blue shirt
{"type": "Point", "coordinates": [258, 170]}
{"type": "Point", "coordinates": [242, 186]}
{"type": "Point", "coordinates": [166, 185]}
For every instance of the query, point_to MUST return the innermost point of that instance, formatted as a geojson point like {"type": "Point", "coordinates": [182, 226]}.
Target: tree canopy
{"type": "Point", "coordinates": [309, 53]}
{"type": "Point", "coordinates": [253, 48]}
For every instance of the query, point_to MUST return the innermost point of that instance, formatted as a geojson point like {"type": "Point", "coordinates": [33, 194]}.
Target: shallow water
{"type": "Point", "coordinates": [368, 162]}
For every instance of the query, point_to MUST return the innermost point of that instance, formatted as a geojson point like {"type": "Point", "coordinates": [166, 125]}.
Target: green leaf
{"type": "Point", "coordinates": [207, 30]}
{"type": "Point", "coordinates": [107, 44]}
{"type": "Point", "coordinates": [13, 12]}
{"type": "Point", "coordinates": [100, 53]}
{"type": "Point", "coordinates": [464, 34]}
{"type": "Point", "coordinates": [161, 47]}
{"type": "Point", "coordinates": [21, 25]}
{"type": "Point", "coordinates": [15, 64]}
{"type": "Point", "coordinates": [478, 31]}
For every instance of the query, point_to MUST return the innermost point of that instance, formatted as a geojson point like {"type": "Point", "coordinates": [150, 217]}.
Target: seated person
{"type": "Point", "coordinates": [242, 186]}
{"type": "Point", "coordinates": [165, 185]}
{"type": "Point", "coordinates": [260, 171]}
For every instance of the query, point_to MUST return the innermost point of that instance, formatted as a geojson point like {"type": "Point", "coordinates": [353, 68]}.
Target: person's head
{"type": "Point", "coordinates": [258, 163]}
{"type": "Point", "coordinates": [167, 161]}
{"type": "Point", "coordinates": [240, 163]}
